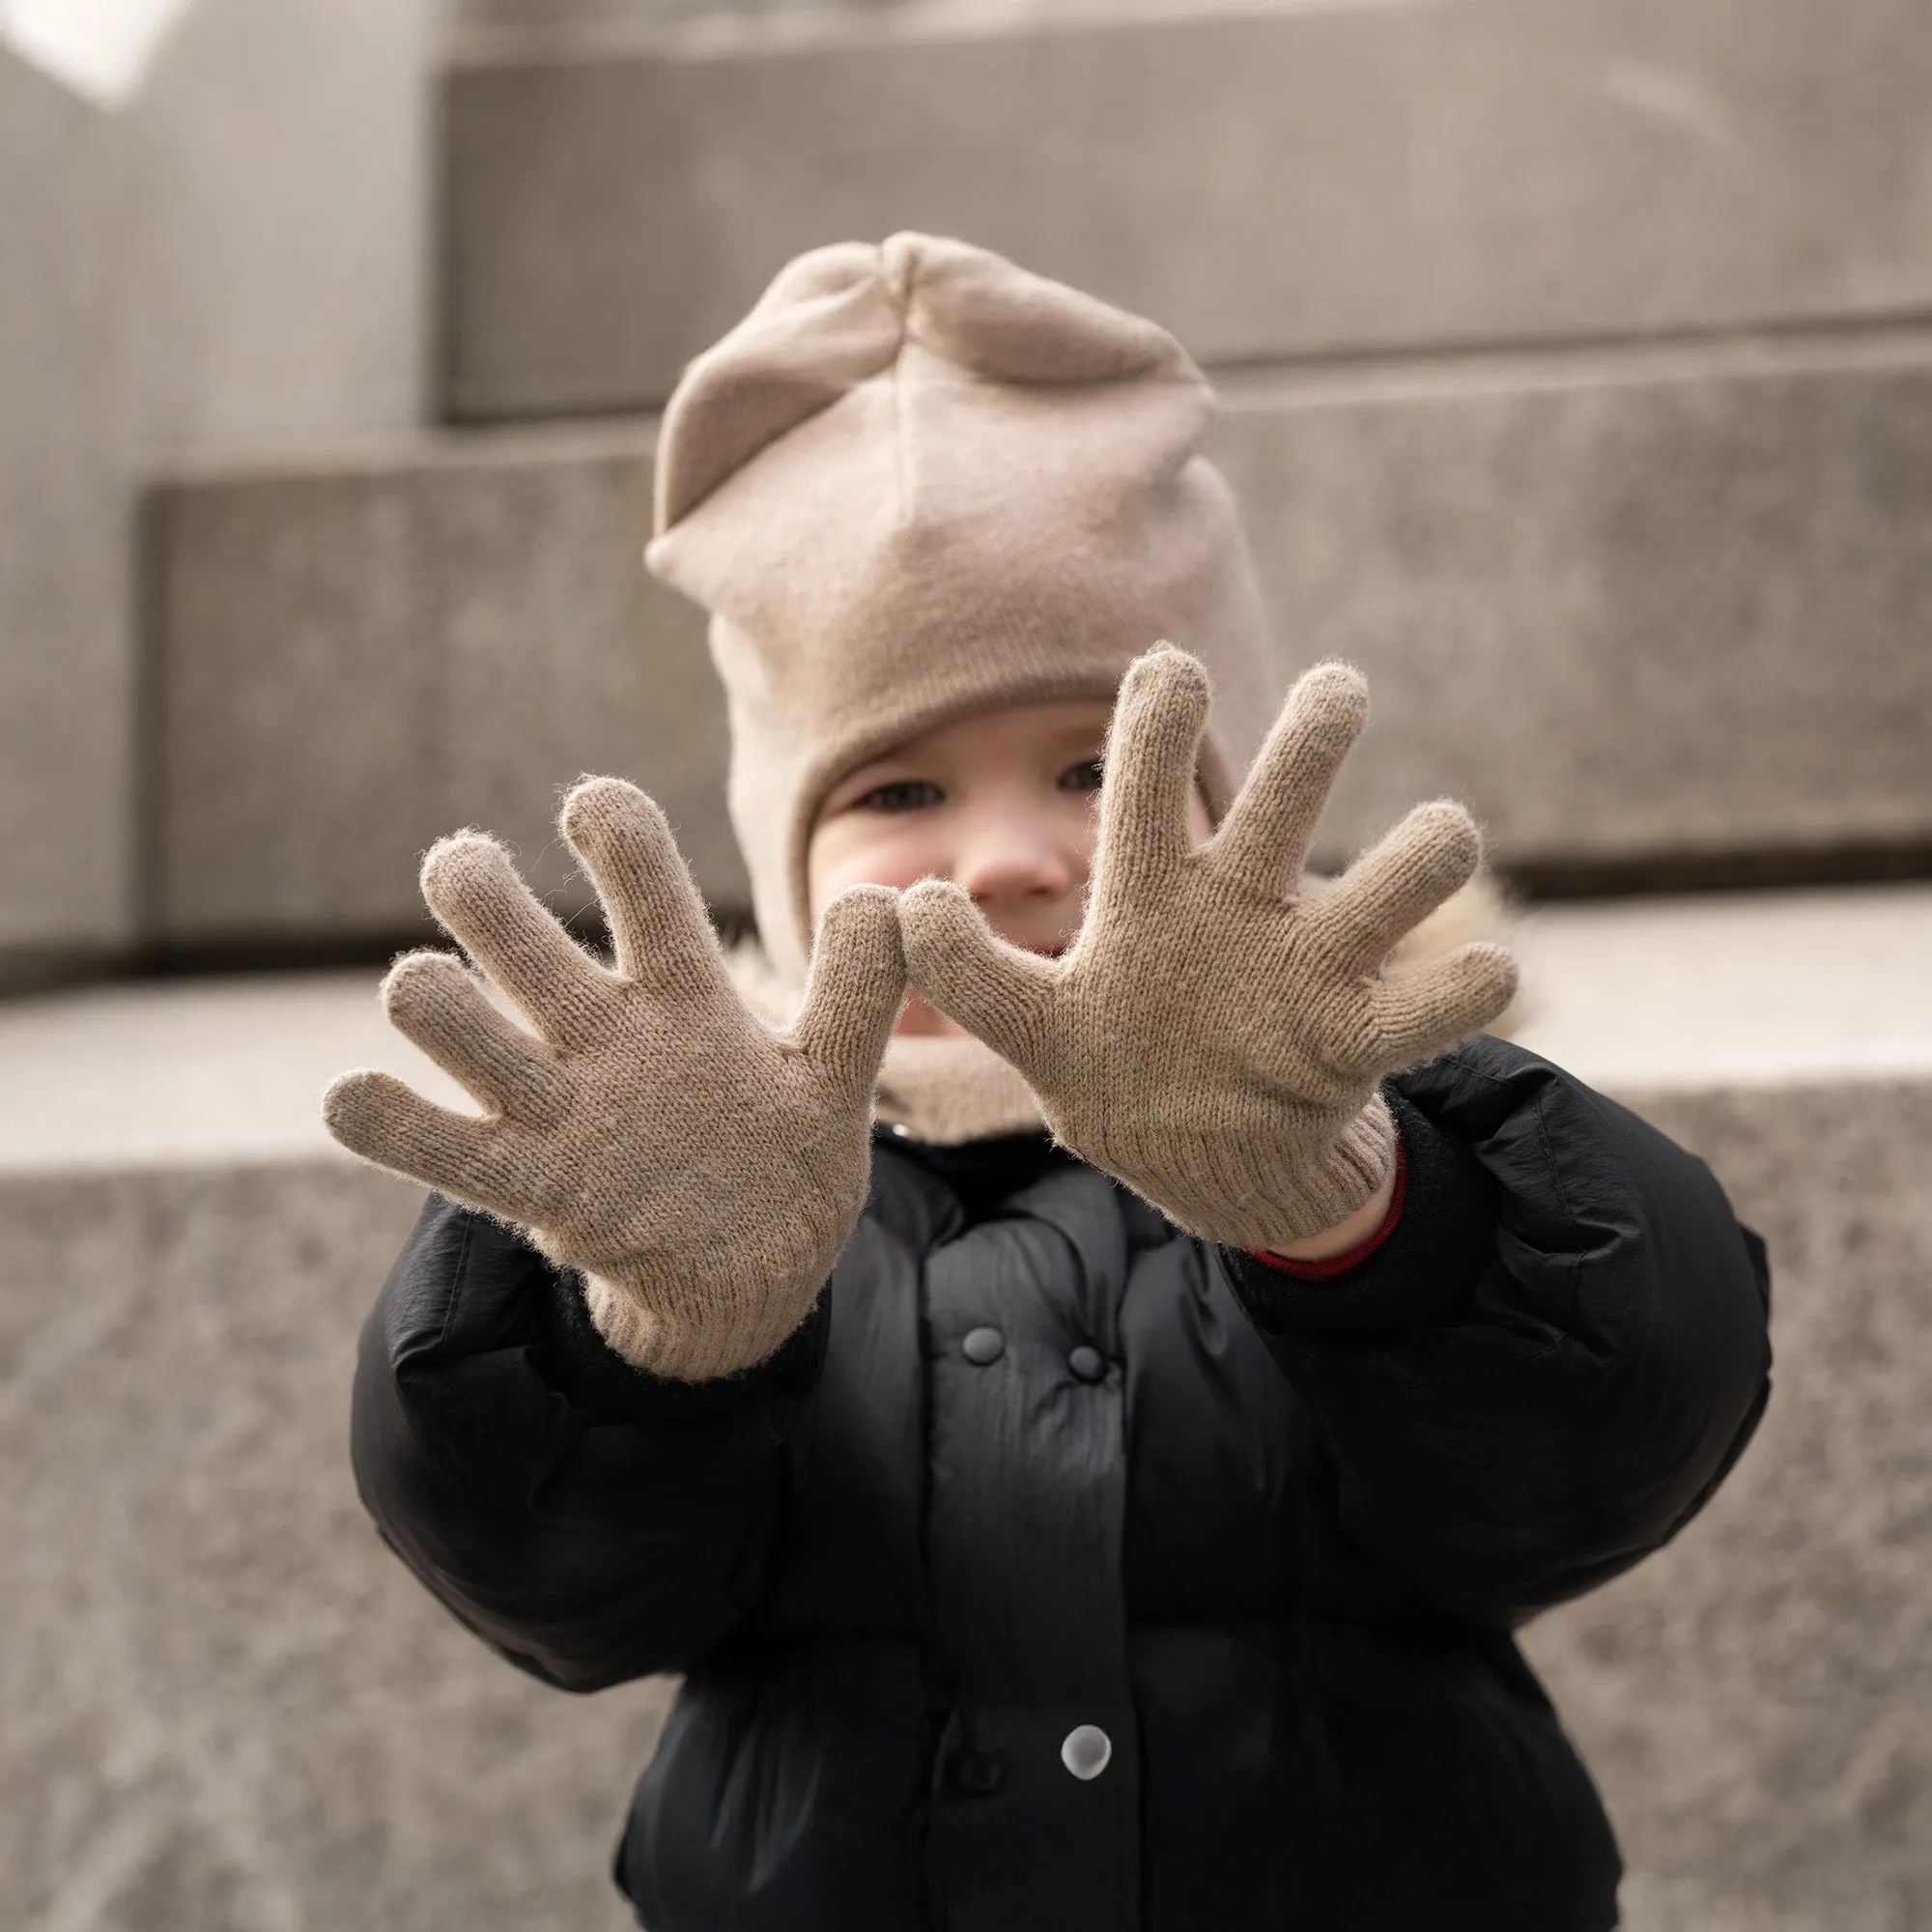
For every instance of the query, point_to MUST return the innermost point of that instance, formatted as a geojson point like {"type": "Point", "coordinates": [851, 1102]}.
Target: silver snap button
{"type": "Point", "coordinates": [982, 1345]}
{"type": "Point", "coordinates": [1085, 1752]}
{"type": "Point", "coordinates": [1088, 1364]}
{"type": "Point", "coordinates": [903, 1131]}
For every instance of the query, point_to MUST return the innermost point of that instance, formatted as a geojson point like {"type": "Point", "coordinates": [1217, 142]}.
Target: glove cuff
{"type": "Point", "coordinates": [725, 1340]}
{"type": "Point", "coordinates": [1338, 1181]}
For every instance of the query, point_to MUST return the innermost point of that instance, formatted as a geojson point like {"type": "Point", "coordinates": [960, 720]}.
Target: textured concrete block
{"type": "Point", "coordinates": [1288, 183]}
{"type": "Point", "coordinates": [284, 268]}
{"type": "Point", "coordinates": [225, 1704]}
{"type": "Point", "coordinates": [1651, 603]}
{"type": "Point", "coordinates": [234, 250]}
{"type": "Point", "coordinates": [1755, 1701]}
{"type": "Point", "coordinates": [359, 659]}
{"type": "Point", "coordinates": [1634, 608]}
{"type": "Point", "coordinates": [1691, 992]}
{"type": "Point", "coordinates": [67, 661]}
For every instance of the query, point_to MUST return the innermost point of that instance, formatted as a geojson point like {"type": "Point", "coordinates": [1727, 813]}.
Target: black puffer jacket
{"type": "Point", "coordinates": [1268, 1536]}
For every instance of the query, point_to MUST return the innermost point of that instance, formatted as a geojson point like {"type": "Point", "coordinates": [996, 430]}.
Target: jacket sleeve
{"type": "Point", "coordinates": [590, 1522]}
{"type": "Point", "coordinates": [1553, 1360]}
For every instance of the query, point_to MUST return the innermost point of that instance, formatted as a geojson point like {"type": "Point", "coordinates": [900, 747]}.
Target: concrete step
{"type": "Point", "coordinates": [1754, 1700]}
{"type": "Point", "coordinates": [225, 234]}
{"type": "Point", "coordinates": [1739, 992]}
{"type": "Point", "coordinates": [1269, 182]}
{"type": "Point", "coordinates": [226, 1704]}
{"type": "Point", "coordinates": [233, 1708]}
{"type": "Point", "coordinates": [1649, 611]}
{"type": "Point", "coordinates": [358, 654]}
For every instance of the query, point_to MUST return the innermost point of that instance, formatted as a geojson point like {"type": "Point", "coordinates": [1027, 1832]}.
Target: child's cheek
{"type": "Point", "coordinates": [870, 849]}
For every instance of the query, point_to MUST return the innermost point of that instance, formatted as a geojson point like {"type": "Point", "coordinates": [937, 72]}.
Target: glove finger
{"type": "Point", "coordinates": [1431, 855]}
{"type": "Point", "coordinates": [1153, 747]}
{"type": "Point", "coordinates": [952, 956]}
{"type": "Point", "coordinates": [1438, 1004]}
{"type": "Point", "coordinates": [472, 888]}
{"type": "Point", "coordinates": [376, 1115]}
{"type": "Point", "coordinates": [433, 1001]}
{"type": "Point", "coordinates": [1265, 839]}
{"type": "Point", "coordinates": [855, 989]}
{"type": "Point", "coordinates": [659, 928]}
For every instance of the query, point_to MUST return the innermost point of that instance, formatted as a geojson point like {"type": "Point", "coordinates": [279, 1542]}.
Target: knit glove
{"type": "Point", "coordinates": [1217, 1034]}
{"type": "Point", "coordinates": [701, 1169]}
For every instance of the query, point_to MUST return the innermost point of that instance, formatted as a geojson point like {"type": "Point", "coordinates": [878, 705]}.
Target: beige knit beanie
{"type": "Point", "coordinates": [917, 482]}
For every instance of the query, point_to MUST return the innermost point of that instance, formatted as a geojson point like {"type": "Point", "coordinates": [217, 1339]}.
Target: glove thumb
{"type": "Point", "coordinates": [856, 987]}
{"type": "Point", "coordinates": [955, 960]}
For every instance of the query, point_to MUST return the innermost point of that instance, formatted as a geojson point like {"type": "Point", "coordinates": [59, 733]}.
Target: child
{"type": "Point", "coordinates": [1086, 1438]}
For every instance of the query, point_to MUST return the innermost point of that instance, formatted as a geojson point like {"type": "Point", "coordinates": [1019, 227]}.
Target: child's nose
{"type": "Point", "coordinates": [1009, 865]}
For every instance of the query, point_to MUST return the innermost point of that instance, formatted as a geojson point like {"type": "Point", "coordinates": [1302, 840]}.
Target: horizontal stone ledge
{"type": "Point", "coordinates": [1823, 1528]}
{"type": "Point", "coordinates": [1759, 1814]}
{"type": "Point", "coordinates": [222, 1673]}
{"type": "Point", "coordinates": [1632, 606]}
{"type": "Point", "coordinates": [228, 1704]}
{"type": "Point", "coordinates": [1753, 1699]}
{"type": "Point", "coordinates": [359, 655]}
{"type": "Point", "coordinates": [1634, 609]}
{"type": "Point", "coordinates": [1294, 181]}
{"type": "Point", "coordinates": [1729, 993]}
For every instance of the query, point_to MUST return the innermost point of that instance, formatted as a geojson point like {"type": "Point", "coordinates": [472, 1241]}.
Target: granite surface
{"type": "Point", "coordinates": [360, 658]}
{"type": "Point", "coordinates": [225, 1705]}
{"type": "Point", "coordinates": [1627, 605]}
{"type": "Point", "coordinates": [1756, 1700]}
{"type": "Point", "coordinates": [1738, 989]}
{"type": "Point", "coordinates": [1589, 591]}
{"type": "Point", "coordinates": [237, 252]}
{"type": "Point", "coordinates": [1267, 181]}
{"type": "Point", "coordinates": [67, 661]}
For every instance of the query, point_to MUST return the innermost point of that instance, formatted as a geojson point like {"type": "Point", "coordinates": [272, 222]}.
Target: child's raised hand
{"type": "Point", "coordinates": [701, 1170]}
{"type": "Point", "coordinates": [1216, 1036]}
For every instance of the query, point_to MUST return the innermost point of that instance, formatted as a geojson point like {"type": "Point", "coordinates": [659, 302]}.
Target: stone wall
{"type": "Point", "coordinates": [67, 659]}
{"type": "Point", "coordinates": [226, 1705]}
{"type": "Point", "coordinates": [1578, 384]}
{"type": "Point", "coordinates": [1268, 183]}
{"type": "Point", "coordinates": [1644, 610]}
{"type": "Point", "coordinates": [236, 256]}
{"type": "Point", "coordinates": [1756, 1700]}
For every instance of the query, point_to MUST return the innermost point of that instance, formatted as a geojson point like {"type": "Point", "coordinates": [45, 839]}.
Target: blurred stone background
{"type": "Point", "coordinates": [1578, 384]}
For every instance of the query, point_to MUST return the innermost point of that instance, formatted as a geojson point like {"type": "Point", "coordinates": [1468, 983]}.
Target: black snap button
{"type": "Point", "coordinates": [982, 1345]}
{"type": "Point", "coordinates": [977, 1774]}
{"type": "Point", "coordinates": [1088, 1364]}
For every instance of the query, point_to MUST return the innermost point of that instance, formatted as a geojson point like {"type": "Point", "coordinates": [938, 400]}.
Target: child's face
{"type": "Point", "coordinates": [1001, 803]}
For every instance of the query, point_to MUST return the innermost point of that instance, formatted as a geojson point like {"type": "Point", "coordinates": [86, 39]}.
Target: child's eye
{"type": "Point", "coordinates": [1083, 777]}
{"type": "Point", "coordinates": [901, 795]}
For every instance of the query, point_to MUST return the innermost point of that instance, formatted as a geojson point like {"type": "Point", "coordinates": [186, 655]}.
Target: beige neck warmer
{"type": "Point", "coordinates": [939, 1090]}
{"type": "Point", "coordinates": [918, 482]}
